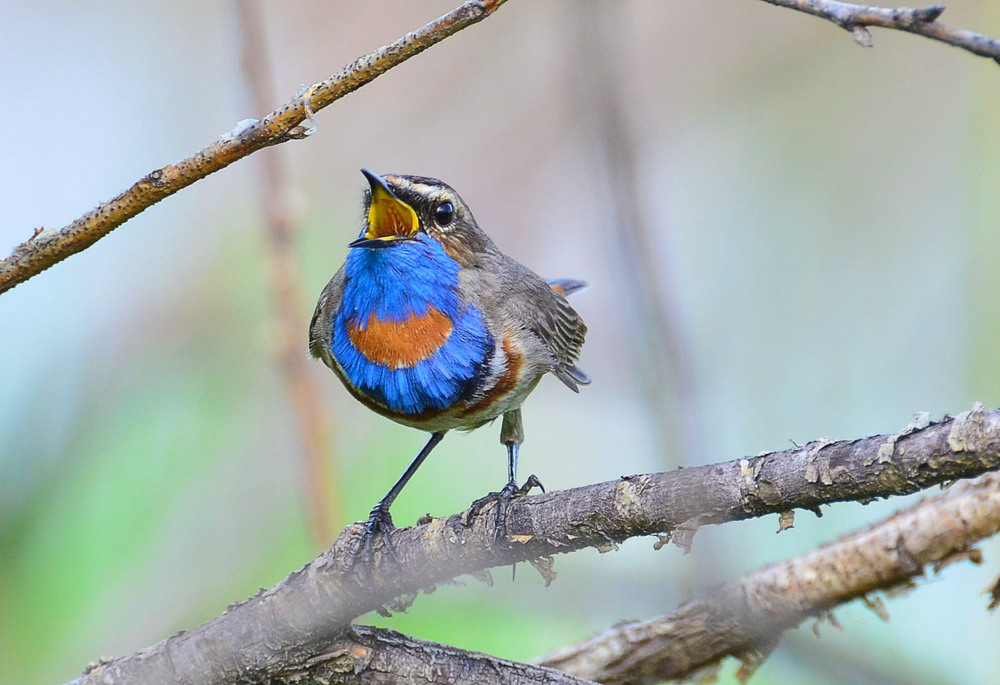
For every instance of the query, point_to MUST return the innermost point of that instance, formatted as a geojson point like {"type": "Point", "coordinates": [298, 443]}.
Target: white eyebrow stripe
{"type": "Point", "coordinates": [423, 189]}
{"type": "Point", "coordinates": [431, 191]}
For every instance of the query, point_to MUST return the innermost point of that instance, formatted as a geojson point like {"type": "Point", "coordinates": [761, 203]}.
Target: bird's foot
{"type": "Point", "coordinates": [532, 482]}
{"type": "Point", "coordinates": [502, 499]}
{"type": "Point", "coordinates": [379, 525]}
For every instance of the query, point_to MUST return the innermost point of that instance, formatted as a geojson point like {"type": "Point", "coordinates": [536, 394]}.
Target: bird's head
{"type": "Point", "coordinates": [401, 209]}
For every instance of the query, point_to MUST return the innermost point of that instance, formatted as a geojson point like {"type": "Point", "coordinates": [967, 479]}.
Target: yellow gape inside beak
{"type": "Point", "coordinates": [389, 217]}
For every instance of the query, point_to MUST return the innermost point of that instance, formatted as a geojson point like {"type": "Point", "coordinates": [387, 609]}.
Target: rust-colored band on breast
{"type": "Point", "coordinates": [505, 384]}
{"type": "Point", "coordinates": [401, 344]}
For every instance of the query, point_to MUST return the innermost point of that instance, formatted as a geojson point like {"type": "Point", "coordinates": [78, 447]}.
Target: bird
{"type": "Point", "coordinates": [429, 324]}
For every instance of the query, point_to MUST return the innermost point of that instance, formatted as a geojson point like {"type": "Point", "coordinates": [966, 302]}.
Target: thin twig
{"type": "Point", "coordinates": [318, 483]}
{"type": "Point", "coordinates": [52, 246]}
{"type": "Point", "coordinates": [924, 22]}
{"type": "Point", "coordinates": [48, 247]}
{"type": "Point", "coordinates": [733, 619]}
{"type": "Point", "coordinates": [308, 609]}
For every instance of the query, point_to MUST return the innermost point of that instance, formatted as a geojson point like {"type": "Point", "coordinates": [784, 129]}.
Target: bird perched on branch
{"type": "Point", "coordinates": [430, 325]}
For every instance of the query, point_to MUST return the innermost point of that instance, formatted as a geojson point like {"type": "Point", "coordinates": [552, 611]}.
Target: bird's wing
{"type": "Point", "coordinates": [319, 325]}
{"type": "Point", "coordinates": [543, 311]}
{"type": "Point", "coordinates": [563, 331]}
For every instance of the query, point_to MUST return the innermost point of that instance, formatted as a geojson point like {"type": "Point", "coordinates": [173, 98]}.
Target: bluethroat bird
{"type": "Point", "coordinates": [429, 324]}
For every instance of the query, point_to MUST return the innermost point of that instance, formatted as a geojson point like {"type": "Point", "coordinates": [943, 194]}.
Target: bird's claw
{"type": "Point", "coordinates": [532, 482]}
{"type": "Point", "coordinates": [379, 525]}
{"type": "Point", "coordinates": [502, 499]}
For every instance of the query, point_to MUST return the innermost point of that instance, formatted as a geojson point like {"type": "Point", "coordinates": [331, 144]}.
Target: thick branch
{"type": "Point", "coordinates": [378, 656]}
{"type": "Point", "coordinates": [306, 611]}
{"type": "Point", "coordinates": [923, 22]}
{"type": "Point", "coordinates": [52, 246]}
{"type": "Point", "coordinates": [735, 618]}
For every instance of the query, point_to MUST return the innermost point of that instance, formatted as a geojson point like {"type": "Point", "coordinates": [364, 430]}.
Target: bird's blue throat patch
{"type": "Point", "coordinates": [402, 335]}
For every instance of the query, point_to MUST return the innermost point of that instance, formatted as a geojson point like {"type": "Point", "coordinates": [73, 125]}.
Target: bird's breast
{"type": "Point", "coordinates": [415, 365]}
{"type": "Point", "coordinates": [408, 342]}
{"type": "Point", "coordinates": [403, 344]}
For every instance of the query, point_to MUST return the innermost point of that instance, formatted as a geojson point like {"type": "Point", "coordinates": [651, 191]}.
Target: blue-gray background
{"type": "Point", "coordinates": [817, 225]}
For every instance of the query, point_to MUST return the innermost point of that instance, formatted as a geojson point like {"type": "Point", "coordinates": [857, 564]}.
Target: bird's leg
{"type": "Point", "coordinates": [509, 490]}
{"type": "Point", "coordinates": [380, 520]}
{"type": "Point", "coordinates": [511, 435]}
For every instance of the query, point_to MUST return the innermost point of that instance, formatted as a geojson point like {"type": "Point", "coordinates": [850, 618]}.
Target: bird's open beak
{"type": "Point", "coordinates": [389, 218]}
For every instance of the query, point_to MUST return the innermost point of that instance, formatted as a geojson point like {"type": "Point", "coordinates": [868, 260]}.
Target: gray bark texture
{"type": "Point", "coordinates": [362, 655]}
{"type": "Point", "coordinates": [304, 614]}
{"type": "Point", "coordinates": [745, 618]}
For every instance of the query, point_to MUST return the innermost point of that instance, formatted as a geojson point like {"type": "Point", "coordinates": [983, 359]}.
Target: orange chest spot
{"type": "Point", "coordinates": [400, 344]}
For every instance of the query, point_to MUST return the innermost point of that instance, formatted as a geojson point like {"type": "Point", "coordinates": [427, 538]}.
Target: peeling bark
{"type": "Point", "coordinates": [363, 655]}
{"type": "Point", "coordinates": [738, 618]}
{"type": "Point", "coordinates": [305, 613]}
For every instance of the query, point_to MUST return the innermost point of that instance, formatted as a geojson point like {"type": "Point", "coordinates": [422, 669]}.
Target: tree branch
{"type": "Point", "coordinates": [307, 610]}
{"type": "Point", "coordinates": [857, 18]}
{"type": "Point", "coordinates": [49, 247]}
{"type": "Point", "coordinates": [379, 656]}
{"type": "Point", "coordinates": [735, 619]}
{"type": "Point", "coordinates": [374, 656]}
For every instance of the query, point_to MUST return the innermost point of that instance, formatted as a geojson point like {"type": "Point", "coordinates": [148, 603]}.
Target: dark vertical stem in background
{"type": "Point", "coordinates": [317, 477]}
{"type": "Point", "coordinates": [664, 366]}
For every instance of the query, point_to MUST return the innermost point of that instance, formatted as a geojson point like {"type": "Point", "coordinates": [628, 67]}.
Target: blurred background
{"type": "Point", "coordinates": [788, 238]}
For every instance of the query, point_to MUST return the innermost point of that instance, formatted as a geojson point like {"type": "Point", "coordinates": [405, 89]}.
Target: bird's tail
{"type": "Point", "coordinates": [572, 376]}
{"type": "Point", "coordinates": [566, 286]}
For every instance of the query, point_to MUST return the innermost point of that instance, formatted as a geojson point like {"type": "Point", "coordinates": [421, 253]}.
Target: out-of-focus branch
{"type": "Point", "coordinates": [307, 610]}
{"type": "Point", "coordinates": [665, 374]}
{"type": "Point", "coordinates": [318, 484]}
{"type": "Point", "coordinates": [737, 618]}
{"type": "Point", "coordinates": [49, 247]}
{"type": "Point", "coordinates": [923, 22]}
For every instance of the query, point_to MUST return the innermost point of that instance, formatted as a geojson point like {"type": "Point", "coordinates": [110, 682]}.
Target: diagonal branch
{"type": "Point", "coordinates": [48, 247]}
{"type": "Point", "coordinates": [307, 610]}
{"type": "Point", "coordinates": [737, 618]}
{"type": "Point", "coordinates": [363, 655]}
{"type": "Point", "coordinates": [52, 246]}
{"type": "Point", "coordinates": [923, 22]}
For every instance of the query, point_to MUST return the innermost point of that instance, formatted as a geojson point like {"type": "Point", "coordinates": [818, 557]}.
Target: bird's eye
{"type": "Point", "coordinates": [444, 213]}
